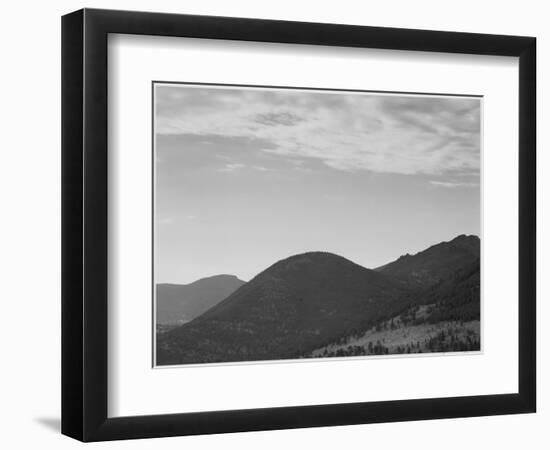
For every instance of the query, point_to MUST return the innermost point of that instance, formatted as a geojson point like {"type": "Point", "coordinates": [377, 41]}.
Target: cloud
{"type": "Point", "coordinates": [231, 167]}
{"type": "Point", "coordinates": [165, 221]}
{"type": "Point", "coordinates": [282, 118]}
{"type": "Point", "coordinates": [238, 166]}
{"type": "Point", "coordinates": [346, 132]}
{"type": "Point", "coordinates": [452, 184]}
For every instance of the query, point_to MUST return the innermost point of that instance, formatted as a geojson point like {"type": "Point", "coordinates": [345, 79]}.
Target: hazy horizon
{"type": "Point", "coordinates": [310, 251]}
{"type": "Point", "coordinates": [247, 177]}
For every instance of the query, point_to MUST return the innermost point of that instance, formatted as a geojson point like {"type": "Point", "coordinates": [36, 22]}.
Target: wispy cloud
{"type": "Point", "coordinates": [165, 221]}
{"type": "Point", "coordinates": [231, 167]}
{"type": "Point", "coordinates": [347, 132]}
{"type": "Point", "coordinates": [451, 184]}
{"type": "Point", "coordinates": [278, 118]}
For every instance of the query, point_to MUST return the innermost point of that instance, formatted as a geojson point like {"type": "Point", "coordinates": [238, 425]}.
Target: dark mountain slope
{"type": "Point", "coordinates": [294, 306]}
{"type": "Point", "coordinates": [434, 264]}
{"type": "Point", "coordinates": [176, 303]}
{"type": "Point", "coordinates": [455, 298]}
{"type": "Point", "coordinates": [444, 317]}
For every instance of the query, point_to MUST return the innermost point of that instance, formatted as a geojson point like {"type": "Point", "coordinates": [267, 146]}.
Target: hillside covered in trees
{"type": "Point", "coordinates": [319, 304]}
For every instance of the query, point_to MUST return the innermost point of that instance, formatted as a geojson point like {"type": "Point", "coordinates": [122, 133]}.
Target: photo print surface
{"type": "Point", "coordinates": [301, 223]}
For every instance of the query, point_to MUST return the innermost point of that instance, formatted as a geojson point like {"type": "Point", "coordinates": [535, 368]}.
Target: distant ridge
{"type": "Point", "coordinates": [316, 300]}
{"type": "Point", "coordinates": [435, 263]}
{"type": "Point", "coordinates": [181, 303]}
{"type": "Point", "coordinates": [283, 312]}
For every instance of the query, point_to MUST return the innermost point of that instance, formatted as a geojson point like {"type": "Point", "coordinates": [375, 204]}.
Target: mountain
{"type": "Point", "coordinates": [444, 317]}
{"type": "Point", "coordinates": [317, 304]}
{"type": "Point", "coordinates": [286, 311]}
{"type": "Point", "coordinates": [434, 264]}
{"type": "Point", "coordinates": [456, 297]}
{"type": "Point", "coordinates": [182, 303]}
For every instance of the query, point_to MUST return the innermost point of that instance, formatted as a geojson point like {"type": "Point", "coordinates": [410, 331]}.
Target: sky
{"type": "Point", "coordinates": [245, 177]}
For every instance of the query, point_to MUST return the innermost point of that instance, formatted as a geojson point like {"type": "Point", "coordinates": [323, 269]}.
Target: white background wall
{"type": "Point", "coordinates": [30, 225]}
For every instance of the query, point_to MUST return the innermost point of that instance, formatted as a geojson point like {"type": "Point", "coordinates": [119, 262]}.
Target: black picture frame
{"type": "Point", "coordinates": [84, 224]}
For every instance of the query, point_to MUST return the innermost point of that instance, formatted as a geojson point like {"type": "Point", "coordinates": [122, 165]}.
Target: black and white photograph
{"type": "Point", "coordinates": [303, 223]}
{"type": "Point", "coordinates": [275, 225]}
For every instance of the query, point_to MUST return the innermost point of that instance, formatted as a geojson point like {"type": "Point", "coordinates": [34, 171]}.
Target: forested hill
{"type": "Point", "coordinates": [317, 300]}
{"type": "Point", "coordinates": [434, 264]}
{"type": "Point", "coordinates": [284, 312]}
{"type": "Point", "coordinates": [177, 303]}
